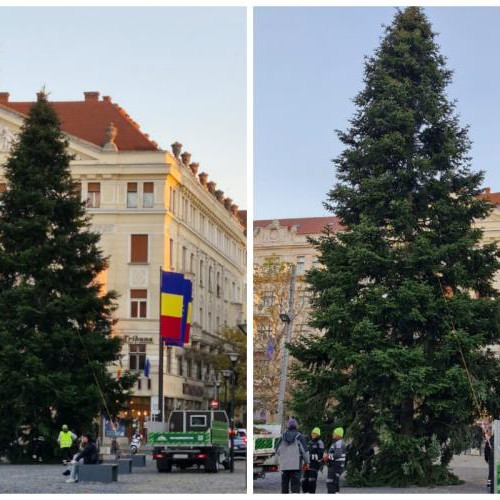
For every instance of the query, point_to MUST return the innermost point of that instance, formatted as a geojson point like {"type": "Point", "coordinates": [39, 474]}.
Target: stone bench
{"type": "Point", "coordinates": [124, 464]}
{"type": "Point", "coordinates": [137, 460]}
{"type": "Point", "coordinates": [102, 473]}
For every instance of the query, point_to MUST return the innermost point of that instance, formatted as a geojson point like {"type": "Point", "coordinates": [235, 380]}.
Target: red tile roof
{"type": "Point", "coordinates": [307, 225]}
{"type": "Point", "coordinates": [491, 197]}
{"type": "Point", "coordinates": [89, 119]}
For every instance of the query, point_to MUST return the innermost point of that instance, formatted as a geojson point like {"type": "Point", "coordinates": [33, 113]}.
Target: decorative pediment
{"type": "Point", "coordinates": [274, 232]}
{"type": "Point", "coordinates": [11, 123]}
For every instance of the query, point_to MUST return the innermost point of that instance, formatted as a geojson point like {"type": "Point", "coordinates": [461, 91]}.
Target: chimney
{"type": "Point", "coordinates": [227, 203]}
{"type": "Point", "coordinates": [487, 190]}
{"type": "Point", "coordinates": [91, 96]}
{"type": "Point", "coordinates": [203, 179]}
{"type": "Point", "coordinates": [211, 186]}
{"type": "Point", "coordinates": [194, 167]}
{"type": "Point", "coordinates": [234, 210]}
{"type": "Point", "coordinates": [176, 149]}
{"type": "Point", "coordinates": [186, 158]}
{"type": "Point", "coordinates": [219, 195]}
{"type": "Point", "coordinates": [4, 97]}
{"type": "Point", "coordinates": [106, 98]}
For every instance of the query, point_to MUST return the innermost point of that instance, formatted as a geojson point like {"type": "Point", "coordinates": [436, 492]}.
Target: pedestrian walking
{"type": "Point", "coordinates": [292, 453]}
{"type": "Point", "coordinates": [335, 460]}
{"type": "Point", "coordinates": [489, 448]}
{"type": "Point", "coordinates": [66, 439]}
{"type": "Point", "coordinates": [316, 450]}
{"type": "Point", "coordinates": [89, 455]}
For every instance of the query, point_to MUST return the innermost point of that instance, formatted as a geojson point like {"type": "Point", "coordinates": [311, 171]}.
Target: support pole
{"type": "Point", "coordinates": [160, 362]}
{"type": "Point", "coordinates": [495, 449]}
{"type": "Point", "coordinates": [233, 402]}
{"type": "Point", "coordinates": [286, 339]}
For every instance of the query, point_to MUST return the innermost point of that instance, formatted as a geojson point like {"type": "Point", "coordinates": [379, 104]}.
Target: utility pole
{"type": "Point", "coordinates": [288, 320]}
{"type": "Point", "coordinates": [160, 363]}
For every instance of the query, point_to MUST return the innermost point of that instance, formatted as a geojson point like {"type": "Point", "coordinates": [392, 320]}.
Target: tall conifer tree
{"type": "Point", "coordinates": [56, 331]}
{"type": "Point", "coordinates": [404, 297]}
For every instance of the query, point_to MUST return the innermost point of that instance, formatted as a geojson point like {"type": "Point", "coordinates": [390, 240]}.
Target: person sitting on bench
{"type": "Point", "coordinates": [89, 455]}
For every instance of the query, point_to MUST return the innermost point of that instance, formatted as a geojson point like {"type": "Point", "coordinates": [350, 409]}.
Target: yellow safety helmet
{"type": "Point", "coordinates": [339, 431]}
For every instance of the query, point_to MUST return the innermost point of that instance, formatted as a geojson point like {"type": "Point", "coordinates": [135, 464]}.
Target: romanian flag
{"type": "Point", "coordinates": [188, 310]}
{"type": "Point", "coordinates": [172, 308]}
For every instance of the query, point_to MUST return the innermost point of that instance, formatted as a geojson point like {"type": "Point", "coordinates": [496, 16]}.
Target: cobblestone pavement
{"type": "Point", "coordinates": [470, 468]}
{"type": "Point", "coordinates": [49, 479]}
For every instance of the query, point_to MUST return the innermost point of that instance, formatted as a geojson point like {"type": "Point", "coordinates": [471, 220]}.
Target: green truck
{"type": "Point", "coordinates": [191, 438]}
{"type": "Point", "coordinates": [264, 450]}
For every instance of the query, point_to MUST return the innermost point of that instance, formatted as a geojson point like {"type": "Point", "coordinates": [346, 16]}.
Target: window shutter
{"type": "Point", "coordinates": [139, 248]}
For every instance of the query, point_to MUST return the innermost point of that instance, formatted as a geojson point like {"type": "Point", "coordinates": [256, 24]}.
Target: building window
{"type": "Point", "coordinates": [210, 279]}
{"type": "Point", "coordinates": [94, 195]}
{"type": "Point", "coordinates": [77, 190]}
{"type": "Point", "coordinates": [201, 273]}
{"type": "Point", "coordinates": [131, 194]}
{"type": "Point", "coordinates": [189, 368]}
{"type": "Point", "coordinates": [301, 264]}
{"type": "Point", "coordinates": [171, 253]}
{"type": "Point", "coordinates": [139, 248]}
{"type": "Point", "coordinates": [209, 322]}
{"type": "Point", "coordinates": [218, 286]}
{"type": "Point", "coordinates": [137, 356]}
{"type": "Point", "coordinates": [199, 370]}
{"type": "Point", "coordinates": [180, 366]}
{"type": "Point", "coordinates": [191, 263]}
{"type": "Point", "coordinates": [169, 360]}
{"type": "Point", "coordinates": [138, 303]}
{"type": "Point", "coordinates": [201, 317]}
{"type": "Point", "coordinates": [148, 195]}
{"type": "Point", "coordinates": [267, 299]}
{"type": "Point", "coordinates": [184, 258]}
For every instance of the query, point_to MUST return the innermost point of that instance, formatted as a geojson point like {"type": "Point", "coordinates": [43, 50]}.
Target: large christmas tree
{"type": "Point", "coordinates": [56, 330]}
{"type": "Point", "coordinates": [404, 296]}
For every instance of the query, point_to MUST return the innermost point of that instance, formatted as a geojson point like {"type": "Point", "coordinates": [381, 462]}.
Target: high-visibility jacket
{"type": "Point", "coordinates": [65, 439]}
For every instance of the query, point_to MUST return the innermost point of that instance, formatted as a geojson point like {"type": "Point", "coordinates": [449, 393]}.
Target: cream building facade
{"type": "Point", "coordinates": [285, 240]}
{"type": "Point", "coordinates": [152, 209]}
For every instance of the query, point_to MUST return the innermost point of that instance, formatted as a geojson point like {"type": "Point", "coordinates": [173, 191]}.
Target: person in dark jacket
{"type": "Point", "coordinates": [316, 449]}
{"type": "Point", "coordinates": [292, 453]}
{"type": "Point", "coordinates": [489, 448]}
{"type": "Point", "coordinates": [335, 460]}
{"type": "Point", "coordinates": [89, 455]}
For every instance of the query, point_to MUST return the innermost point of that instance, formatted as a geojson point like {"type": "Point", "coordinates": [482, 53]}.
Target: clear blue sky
{"type": "Point", "coordinates": [309, 66]}
{"type": "Point", "coordinates": [179, 72]}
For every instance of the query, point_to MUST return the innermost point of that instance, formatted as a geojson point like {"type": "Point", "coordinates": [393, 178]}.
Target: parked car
{"type": "Point", "coordinates": [240, 443]}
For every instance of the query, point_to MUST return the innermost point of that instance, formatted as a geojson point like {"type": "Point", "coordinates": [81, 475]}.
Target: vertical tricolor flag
{"type": "Point", "coordinates": [187, 312]}
{"type": "Point", "coordinates": [172, 308]}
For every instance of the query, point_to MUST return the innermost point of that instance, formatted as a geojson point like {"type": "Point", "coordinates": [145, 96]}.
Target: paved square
{"type": "Point", "coordinates": [40, 478]}
{"type": "Point", "coordinates": [470, 468]}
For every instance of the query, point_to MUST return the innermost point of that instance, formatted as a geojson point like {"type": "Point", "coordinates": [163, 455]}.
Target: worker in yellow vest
{"type": "Point", "coordinates": [66, 439]}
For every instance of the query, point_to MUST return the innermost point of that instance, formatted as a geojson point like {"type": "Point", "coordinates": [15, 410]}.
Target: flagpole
{"type": "Point", "coordinates": [160, 364]}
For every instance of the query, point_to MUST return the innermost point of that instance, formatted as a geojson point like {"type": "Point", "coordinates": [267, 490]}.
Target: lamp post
{"type": "Point", "coordinates": [216, 387]}
{"type": "Point", "coordinates": [287, 319]}
{"type": "Point", "coordinates": [233, 357]}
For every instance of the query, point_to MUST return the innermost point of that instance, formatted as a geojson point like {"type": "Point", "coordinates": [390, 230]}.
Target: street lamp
{"type": "Point", "coordinates": [216, 387]}
{"type": "Point", "coordinates": [233, 357]}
